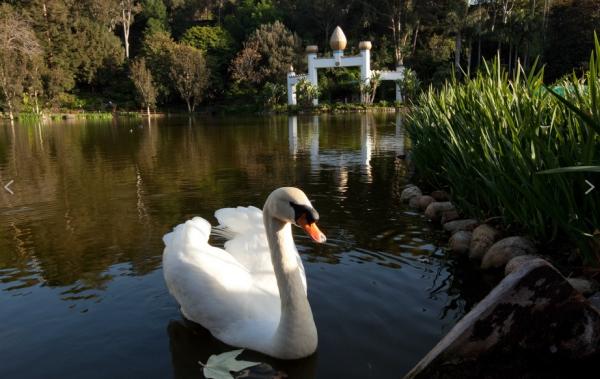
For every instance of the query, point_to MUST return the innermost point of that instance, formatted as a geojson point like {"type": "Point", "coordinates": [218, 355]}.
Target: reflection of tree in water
{"type": "Point", "coordinates": [95, 194]}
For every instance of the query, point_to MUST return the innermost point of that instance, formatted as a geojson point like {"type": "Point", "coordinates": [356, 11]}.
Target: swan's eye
{"type": "Point", "coordinates": [302, 210]}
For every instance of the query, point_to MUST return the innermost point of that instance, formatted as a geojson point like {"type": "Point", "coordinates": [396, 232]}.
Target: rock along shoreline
{"type": "Point", "coordinates": [534, 324]}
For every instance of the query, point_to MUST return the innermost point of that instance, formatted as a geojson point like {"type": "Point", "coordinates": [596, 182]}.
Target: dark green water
{"type": "Point", "coordinates": [81, 287]}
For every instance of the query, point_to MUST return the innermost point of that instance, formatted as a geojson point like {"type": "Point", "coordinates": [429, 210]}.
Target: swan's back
{"type": "Point", "coordinates": [203, 279]}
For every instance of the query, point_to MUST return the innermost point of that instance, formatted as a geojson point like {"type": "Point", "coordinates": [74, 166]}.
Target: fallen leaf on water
{"type": "Point", "coordinates": [219, 366]}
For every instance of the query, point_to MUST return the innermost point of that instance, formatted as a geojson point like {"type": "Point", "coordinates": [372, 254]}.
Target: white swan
{"type": "Point", "coordinates": [252, 294]}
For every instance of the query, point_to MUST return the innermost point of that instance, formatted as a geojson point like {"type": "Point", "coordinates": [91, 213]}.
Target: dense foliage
{"type": "Point", "coordinates": [83, 49]}
{"type": "Point", "coordinates": [512, 148]}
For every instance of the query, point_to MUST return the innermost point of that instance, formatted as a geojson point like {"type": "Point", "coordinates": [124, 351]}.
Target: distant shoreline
{"type": "Point", "coordinates": [293, 110]}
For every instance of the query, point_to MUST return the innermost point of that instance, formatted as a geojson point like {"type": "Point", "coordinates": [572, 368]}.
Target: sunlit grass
{"type": "Point", "coordinates": [489, 137]}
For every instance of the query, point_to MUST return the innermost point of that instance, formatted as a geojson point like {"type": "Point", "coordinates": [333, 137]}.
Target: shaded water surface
{"type": "Point", "coordinates": [81, 287]}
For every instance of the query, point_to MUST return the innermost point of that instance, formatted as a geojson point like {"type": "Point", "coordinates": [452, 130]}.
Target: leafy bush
{"type": "Point", "coordinates": [410, 85]}
{"type": "Point", "coordinates": [273, 94]}
{"type": "Point", "coordinates": [306, 92]}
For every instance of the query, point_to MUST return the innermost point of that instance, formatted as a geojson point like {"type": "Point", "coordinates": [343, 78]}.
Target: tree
{"type": "Point", "coordinates": [19, 53]}
{"type": "Point", "coordinates": [129, 8]}
{"type": "Point", "coordinates": [157, 50]}
{"type": "Point", "coordinates": [570, 36]}
{"type": "Point", "coordinates": [142, 79]}
{"type": "Point", "coordinates": [247, 15]}
{"type": "Point", "coordinates": [399, 16]}
{"type": "Point", "coordinates": [208, 38]}
{"type": "Point", "coordinates": [267, 55]}
{"type": "Point", "coordinates": [154, 12]}
{"type": "Point", "coordinates": [189, 74]}
{"type": "Point", "coordinates": [218, 48]}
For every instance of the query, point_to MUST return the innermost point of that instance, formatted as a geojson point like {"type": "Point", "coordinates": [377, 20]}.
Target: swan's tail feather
{"type": "Point", "coordinates": [223, 232]}
{"type": "Point", "coordinates": [193, 232]}
{"type": "Point", "coordinates": [197, 231]}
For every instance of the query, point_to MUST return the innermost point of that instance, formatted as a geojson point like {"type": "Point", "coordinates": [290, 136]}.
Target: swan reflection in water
{"type": "Point", "coordinates": [190, 343]}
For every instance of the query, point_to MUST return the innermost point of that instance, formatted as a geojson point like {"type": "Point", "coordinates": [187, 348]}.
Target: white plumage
{"type": "Point", "coordinates": [234, 292]}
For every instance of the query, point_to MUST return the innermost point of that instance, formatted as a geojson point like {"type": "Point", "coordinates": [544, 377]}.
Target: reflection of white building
{"type": "Point", "coordinates": [366, 146]}
{"type": "Point", "coordinates": [293, 135]}
{"type": "Point", "coordinates": [304, 138]}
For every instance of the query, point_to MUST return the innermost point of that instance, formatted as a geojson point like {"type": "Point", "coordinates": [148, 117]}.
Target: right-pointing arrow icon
{"type": "Point", "coordinates": [591, 187]}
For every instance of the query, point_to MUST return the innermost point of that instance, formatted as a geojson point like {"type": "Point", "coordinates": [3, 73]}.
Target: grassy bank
{"type": "Point", "coordinates": [55, 116]}
{"type": "Point", "coordinates": [491, 140]}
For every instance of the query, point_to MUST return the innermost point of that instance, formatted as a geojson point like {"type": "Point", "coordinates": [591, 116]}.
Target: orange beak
{"type": "Point", "coordinates": [312, 230]}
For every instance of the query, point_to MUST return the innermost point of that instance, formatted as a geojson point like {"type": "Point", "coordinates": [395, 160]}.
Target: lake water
{"type": "Point", "coordinates": [81, 287]}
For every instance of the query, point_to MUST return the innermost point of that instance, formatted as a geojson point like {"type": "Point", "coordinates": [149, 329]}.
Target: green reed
{"type": "Point", "coordinates": [489, 137]}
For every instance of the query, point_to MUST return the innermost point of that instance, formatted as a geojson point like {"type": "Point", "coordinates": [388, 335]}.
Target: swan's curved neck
{"type": "Point", "coordinates": [296, 325]}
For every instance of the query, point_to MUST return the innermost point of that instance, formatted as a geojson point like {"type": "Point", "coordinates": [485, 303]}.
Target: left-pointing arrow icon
{"type": "Point", "coordinates": [591, 187]}
{"type": "Point", "coordinates": [8, 189]}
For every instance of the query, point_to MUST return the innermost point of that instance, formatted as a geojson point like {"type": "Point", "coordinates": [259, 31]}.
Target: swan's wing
{"type": "Point", "coordinates": [241, 219]}
{"type": "Point", "coordinates": [211, 286]}
{"type": "Point", "coordinates": [248, 241]}
{"type": "Point", "coordinates": [248, 244]}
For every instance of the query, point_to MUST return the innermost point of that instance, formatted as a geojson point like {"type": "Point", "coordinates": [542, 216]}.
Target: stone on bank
{"type": "Point", "coordinates": [460, 241]}
{"type": "Point", "coordinates": [456, 225]}
{"type": "Point", "coordinates": [435, 211]}
{"type": "Point", "coordinates": [409, 192]}
{"type": "Point", "coordinates": [533, 324]}
{"type": "Point", "coordinates": [504, 250]}
{"type": "Point", "coordinates": [484, 237]}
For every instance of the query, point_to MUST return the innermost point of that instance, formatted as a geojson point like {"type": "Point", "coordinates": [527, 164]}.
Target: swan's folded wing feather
{"type": "Point", "coordinates": [210, 285]}
{"type": "Point", "coordinates": [249, 245]}
{"type": "Point", "coordinates": [241, 219]}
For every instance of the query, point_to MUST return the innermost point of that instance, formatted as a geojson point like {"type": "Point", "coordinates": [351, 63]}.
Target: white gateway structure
{"type": "Point", "coordinates": [338, 44]}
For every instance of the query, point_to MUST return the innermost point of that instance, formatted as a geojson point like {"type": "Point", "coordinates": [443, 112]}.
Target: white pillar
{"type": "Point", "coordinates": [399, 69]}
{"type": "Point", "coordinates": [291, 88]}
{"type": "Point", "coordinates": [311, 55]}
{"type": "Point", "coordinates": [337, 57]}
{"type": "Point", "coordinates": [398, 92]}
{"type": "Point", "coordinates": [365, 65]}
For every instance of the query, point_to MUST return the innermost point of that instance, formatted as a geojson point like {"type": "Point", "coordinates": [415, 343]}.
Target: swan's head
{"type": "Point", "coordinates": [289, 204]}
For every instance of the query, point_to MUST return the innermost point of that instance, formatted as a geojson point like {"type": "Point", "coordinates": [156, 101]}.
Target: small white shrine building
{"type": "Point", "coordinates": [338, 43]}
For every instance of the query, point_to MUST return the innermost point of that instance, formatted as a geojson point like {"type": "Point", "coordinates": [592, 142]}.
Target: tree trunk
{"type": "Point", "coordinates": [510, 55]}
{"type": "Point", "coordinates": [126, 35]}
{"type": "Point", "coordinates": [148, 110]}
{"type": "Point", "coordinates": [478, 50]}
{"type": "Point", "coordinates": [396, 37]}
{"type": "Point", "coordinates": [126, 14]}
{"type": "Point", "coordinates": [469, 54]}
{"type": "Point", "coordinates": [414, 46]}
{"type": "Point", "coordinates": [189, 105]}
{"type": "Point", "coordinates": [526, 55]}
{"type": "Point", "coordinates": [457, 50]}
{"type": "Point", "coordinates": [35, 99]}
{"type": "Point", "coordinates": [10, 110]}
{"type": "Point", "coordinates": [8, 102]}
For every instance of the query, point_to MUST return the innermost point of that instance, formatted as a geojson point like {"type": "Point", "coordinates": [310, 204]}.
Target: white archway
{"type": "Point", "coordinates": [338, 44]}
